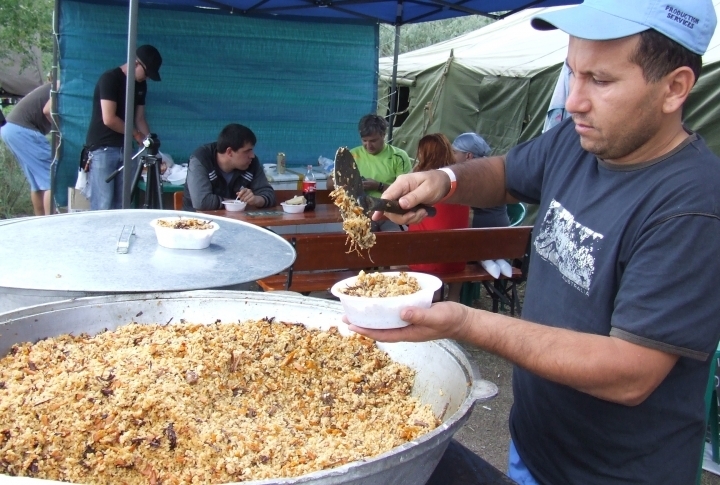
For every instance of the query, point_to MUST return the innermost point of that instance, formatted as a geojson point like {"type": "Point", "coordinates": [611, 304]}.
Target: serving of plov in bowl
{"type": "Point", "coordinates": [374, 300]}
{"type": "Point", "coordinates": [184, 232]}
{"type": "Point", "coordinates": [295, 205]}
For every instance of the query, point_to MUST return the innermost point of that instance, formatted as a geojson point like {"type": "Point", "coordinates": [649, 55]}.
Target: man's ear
{"type": "Point", "coordinates": [679, 83]}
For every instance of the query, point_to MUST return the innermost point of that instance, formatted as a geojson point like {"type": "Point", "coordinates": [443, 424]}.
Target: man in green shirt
{"type": "Point", "coordinates": [379, 163]}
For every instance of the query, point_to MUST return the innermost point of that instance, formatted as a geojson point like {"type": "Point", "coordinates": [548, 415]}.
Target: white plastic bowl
{"type": "Point", "coordinates": [234, 205]}
{"type": "Point", "coordinates": [385, 312]}
{"type": "Point", "coordinates": [183, 238]}
{"type": "Point", "coordinates": [293, 208]}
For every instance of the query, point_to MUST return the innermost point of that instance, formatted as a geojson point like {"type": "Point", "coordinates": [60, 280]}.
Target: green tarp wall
{"type": "Point", "coordinates": [300, 86]}
{"type": "Point", "coordinates": [453, 99]}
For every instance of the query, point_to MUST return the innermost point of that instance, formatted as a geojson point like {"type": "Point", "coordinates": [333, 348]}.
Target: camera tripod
{"type": "Point", "coordinates": [153, 184]}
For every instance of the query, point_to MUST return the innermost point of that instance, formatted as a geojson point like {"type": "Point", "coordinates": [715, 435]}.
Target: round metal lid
{"type": "Point", "coordinates": [79, 253]}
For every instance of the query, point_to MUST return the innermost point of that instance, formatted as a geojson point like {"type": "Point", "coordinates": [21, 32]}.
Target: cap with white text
{"type": "Point", "coordinates": [690, 23]}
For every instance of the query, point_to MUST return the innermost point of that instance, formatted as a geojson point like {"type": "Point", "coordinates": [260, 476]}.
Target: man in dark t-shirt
{"type": "Point", "coordinates": [619, 323]}
{"type": "Point", "coordinates": [105, 136]}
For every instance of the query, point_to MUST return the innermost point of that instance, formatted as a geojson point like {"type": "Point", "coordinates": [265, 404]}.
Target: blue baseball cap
{"type": "Point", "coordinates": [690, 23]}
{"type": "Point", "coordinates": [471, 143]}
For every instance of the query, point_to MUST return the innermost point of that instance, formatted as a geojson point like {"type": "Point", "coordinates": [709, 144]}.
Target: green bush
{"type": "Point", "coordinates": [14, 188]}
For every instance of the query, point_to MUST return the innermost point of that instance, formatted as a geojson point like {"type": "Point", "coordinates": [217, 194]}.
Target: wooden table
{"type": "Point", "coordinates": [325, 218]}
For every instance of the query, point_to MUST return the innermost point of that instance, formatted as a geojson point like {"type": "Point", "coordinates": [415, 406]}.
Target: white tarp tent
{"type": "Point", "coordinates": [509, 47]}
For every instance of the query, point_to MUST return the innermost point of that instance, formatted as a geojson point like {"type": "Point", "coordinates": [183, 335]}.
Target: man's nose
{"type": "Point", "coordinates": [577, 100]}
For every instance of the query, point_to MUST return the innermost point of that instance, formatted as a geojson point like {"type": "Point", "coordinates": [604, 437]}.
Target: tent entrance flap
{"type": "Point", "coordinates": [503, 102]}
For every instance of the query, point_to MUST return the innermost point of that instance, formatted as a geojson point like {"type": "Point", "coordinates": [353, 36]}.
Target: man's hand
{"type": "Point", "coordinates": [413, 189]}
{"type": "Point", "coordinates": [442, 320]}
{"type": "Point", "coordinates": [246, 195]}
{"type": "Point", "coordinates": [139, 137]}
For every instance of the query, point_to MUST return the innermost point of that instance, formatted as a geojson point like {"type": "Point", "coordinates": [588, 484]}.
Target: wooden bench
{"type": "Point", "coordinates": [322, 259]}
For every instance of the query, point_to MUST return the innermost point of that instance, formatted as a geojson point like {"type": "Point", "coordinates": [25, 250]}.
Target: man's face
{"type": "Point", "coordinates": [140, 74]}
{"type": "Point", "coordinates": [240, 159]}
{"type": "Point", "coordinates": [374, 143]}
{"type": "Point", "coordinates": [460, 157]}
{"type": "Point", "coordinates": [616, 113]}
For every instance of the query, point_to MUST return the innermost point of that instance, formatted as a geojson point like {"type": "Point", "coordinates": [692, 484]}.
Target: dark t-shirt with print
{"type": "Point", "coordinates": [626, 251]}
{"type": "Point", "coordinates": [111, 86]}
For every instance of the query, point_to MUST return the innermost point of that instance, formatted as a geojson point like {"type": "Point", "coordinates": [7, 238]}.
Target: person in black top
{"type": "Point", "coordinates": [227, 169]}
{"type": "Point", "coordinates": [468, 146]}
{"type": "Point", "coordinates": [105, 136]}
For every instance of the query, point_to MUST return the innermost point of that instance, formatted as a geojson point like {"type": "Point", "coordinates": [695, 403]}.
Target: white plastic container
{"type": "Point", "coordinates": [385, 312]}
{"type": "Point", "coordinates": [293, 208]}
{"type": "Point", "coordinates": [234, 205]}
{"type": "Point", "coordinates": [183, 238]}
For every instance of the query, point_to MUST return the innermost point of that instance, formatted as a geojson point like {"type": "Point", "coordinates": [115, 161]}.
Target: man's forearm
{"type": "Point", "coordinates": [142, 127]}
{"type": "Point", "coordinates": [605, 367]}
{"type": "Point", "coordinates": [481, 182]}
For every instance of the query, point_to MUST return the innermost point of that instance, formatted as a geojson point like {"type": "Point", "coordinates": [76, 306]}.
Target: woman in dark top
{"type": "Point", "coordinates": [466, 147]}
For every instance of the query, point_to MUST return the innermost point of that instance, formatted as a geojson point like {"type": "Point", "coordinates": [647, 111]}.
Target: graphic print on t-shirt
{"type": "Point", "coordinates": [569, 246]}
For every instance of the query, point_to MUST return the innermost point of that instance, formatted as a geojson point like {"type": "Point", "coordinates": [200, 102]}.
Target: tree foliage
{"type": "Point", "coordinates": [416, 36]}
{"type": "Point", "coordinates": [26, 24]}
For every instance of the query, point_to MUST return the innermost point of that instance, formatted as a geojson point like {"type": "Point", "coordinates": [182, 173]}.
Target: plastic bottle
{"type": "Point", "coordinates": [309, 185]}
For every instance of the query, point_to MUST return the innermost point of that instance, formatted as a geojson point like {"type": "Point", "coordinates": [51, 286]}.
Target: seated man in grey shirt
{"type": "Point", "coordinates": [227, 169]}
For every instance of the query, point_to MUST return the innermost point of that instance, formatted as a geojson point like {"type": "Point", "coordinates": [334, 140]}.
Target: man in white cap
{"type": "Point", "coordinates": [620, 318]}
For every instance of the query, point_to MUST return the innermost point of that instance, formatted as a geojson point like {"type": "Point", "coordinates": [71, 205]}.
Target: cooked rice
{"type": "Point", "coordinates": [355, 223]}
{"type": "Point", "coordinates": [191, 403]}
{"type": "Point", "coordinates": [379, 285]}
{"type": "Point", "coordinates": [188, 223]}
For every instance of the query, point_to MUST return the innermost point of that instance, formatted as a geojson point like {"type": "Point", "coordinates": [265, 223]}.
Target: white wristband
{"type": "Point", "coordinates": [453, 183]}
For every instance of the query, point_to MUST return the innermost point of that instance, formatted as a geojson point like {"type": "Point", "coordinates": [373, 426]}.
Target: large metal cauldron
{"type": "Point", "coordinates": [445, 378]}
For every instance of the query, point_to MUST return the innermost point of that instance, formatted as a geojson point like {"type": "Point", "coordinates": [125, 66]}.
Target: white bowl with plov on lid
{"type": "Point", "coordinates": [184, 232]}
{"type": "Point", "coordinates": [382, 312]}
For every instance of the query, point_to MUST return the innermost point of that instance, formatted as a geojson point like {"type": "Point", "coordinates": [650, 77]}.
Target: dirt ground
{"type": "Point", "coordinates": [486, 432]}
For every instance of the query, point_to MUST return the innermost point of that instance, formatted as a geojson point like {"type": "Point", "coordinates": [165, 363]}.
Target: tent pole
{"type": "Point", "coordinates": [54, 107]}
{"type": "Point", "coordinates": [393, 86]}
{"type": "Point", "coordinates": [127, 173]}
